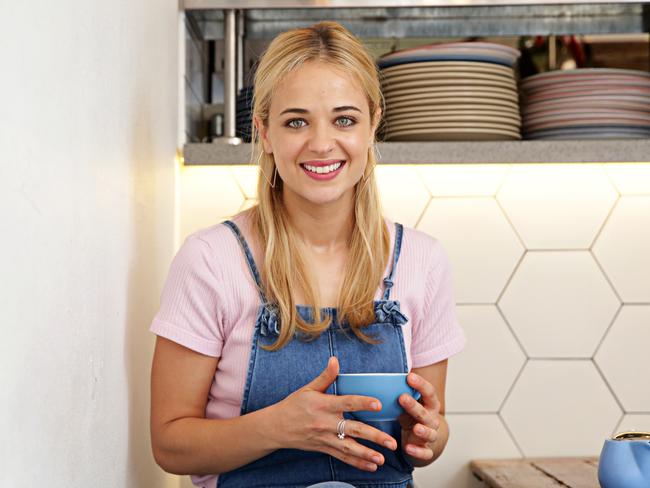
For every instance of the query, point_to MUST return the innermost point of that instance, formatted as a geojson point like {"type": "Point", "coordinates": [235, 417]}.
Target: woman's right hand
{"type": "Point", "coordinates": [308, 418]}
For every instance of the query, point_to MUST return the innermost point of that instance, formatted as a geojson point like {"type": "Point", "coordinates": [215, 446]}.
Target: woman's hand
{"type": "Point", "coordinates": [308, 419]}
{"type": "Point", "coordinates": [421, 420]}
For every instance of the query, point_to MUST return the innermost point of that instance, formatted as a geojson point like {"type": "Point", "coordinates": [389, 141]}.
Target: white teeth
{"type": "Point", "coordinates": [323, 169]}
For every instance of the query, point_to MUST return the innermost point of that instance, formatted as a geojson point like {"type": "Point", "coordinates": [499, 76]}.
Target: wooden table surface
{"type": "Point", "coordinates": [561, 472]}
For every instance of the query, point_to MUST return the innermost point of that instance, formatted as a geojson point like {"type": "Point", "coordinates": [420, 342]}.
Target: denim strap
{"type": "Point", "coordinates": [388, 281]}
{"type": "Point", "coordinates": [249, 257]}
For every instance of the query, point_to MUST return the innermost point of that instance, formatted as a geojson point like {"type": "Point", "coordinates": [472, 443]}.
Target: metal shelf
{"type": "Point", "coordinates": [578, 151]}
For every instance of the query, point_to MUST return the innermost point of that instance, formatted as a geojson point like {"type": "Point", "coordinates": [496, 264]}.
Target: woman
{"type": "Point", "coordinates": [243, 371]}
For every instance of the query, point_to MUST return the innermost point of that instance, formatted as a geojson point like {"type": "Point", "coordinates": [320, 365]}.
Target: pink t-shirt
{"type": "Point", "coordinates": [210, 302]}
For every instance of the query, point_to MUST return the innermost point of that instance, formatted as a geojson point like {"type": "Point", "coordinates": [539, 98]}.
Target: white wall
{"type": "Point", "coordinates": [88, 134]}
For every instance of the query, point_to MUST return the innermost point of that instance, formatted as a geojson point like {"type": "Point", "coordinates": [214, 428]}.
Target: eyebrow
{"type": "Point", "coordinates": [335, 109]}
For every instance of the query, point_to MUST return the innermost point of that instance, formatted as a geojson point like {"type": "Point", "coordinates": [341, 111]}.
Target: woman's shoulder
{"type": "Point", "coordinates": [217, 243]}
{"type": "Point", "coordinates": [416, 243]}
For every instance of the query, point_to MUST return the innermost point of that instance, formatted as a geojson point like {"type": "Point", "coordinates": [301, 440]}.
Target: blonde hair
{"type": "Point", "coordinates": [284, 267]}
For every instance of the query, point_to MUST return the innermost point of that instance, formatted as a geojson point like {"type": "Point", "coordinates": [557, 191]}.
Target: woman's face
{"type": "Point", "coordinates": [319, 131]}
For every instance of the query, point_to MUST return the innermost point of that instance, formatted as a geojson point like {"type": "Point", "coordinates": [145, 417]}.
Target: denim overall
{"type": "Point", "coordinates": [273, 375]}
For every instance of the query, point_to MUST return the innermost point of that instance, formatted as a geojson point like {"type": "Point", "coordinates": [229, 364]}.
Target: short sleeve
{"type": "Point", "coordinates": [437, 335]}
{"type": "Point", "coordinates": [191, 305]}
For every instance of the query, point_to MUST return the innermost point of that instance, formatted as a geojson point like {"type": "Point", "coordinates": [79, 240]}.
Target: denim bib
{"type": "Point", "coordinates": [273, 375]}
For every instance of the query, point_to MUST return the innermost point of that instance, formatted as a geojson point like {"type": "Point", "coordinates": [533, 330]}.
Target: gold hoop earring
{"type": "Point", "coordinates": [275, 171]}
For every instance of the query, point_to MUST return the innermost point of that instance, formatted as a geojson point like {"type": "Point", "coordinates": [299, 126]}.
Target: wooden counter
{"type": "Point", "coordinates": [572, 472]}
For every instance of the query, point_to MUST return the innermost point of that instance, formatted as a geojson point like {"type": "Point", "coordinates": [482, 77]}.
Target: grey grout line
{"type": "Point", "coordinates": [512, 331]}
{"type": "Point", "coordinates": [512, 225]}
{"type": "Point", "coordinates": [606, 276]}
{"type": "Point", "coordinates": [514, 382]}
{"type": "Point", "coordinates": [424, 211]}
{"type": "Point", "coordinates": [605, 221]}
{"type": "Point", "coordinates": [511, 277]}
{"type": "Point", "coordinates": [609, 387]}
{"type": "Point", "coordinates": [606, 333]}
{"type": "Point", "coordinates": [512, 436]}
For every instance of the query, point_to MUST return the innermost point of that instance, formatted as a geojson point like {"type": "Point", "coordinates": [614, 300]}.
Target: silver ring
{"type": "Point", "coordinates": [341, 429]}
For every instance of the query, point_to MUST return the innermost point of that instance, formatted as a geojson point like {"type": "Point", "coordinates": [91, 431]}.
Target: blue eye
{"type": "Point", "coordinates": [350, 119]}
{"type": "Point", "coordinates": [290, 122]}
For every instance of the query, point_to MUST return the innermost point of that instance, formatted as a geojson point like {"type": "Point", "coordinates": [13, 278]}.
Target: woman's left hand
{"type": "Point", "coordinates": [421, 419]}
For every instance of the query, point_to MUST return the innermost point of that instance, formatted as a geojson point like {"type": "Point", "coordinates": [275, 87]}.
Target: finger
{"type": "Point", "coordinates": [426, 389]}
{"type": "Point", "coordinates": [351, 447]}
{"type": "Point", "coordinates": [359, 430]}
{"type": "Point", "coordinates": [417, 410]}
{"type": "Point", "coordinates": [357, 462]}
{"type": "Point", "coordinates": [427, 434]}
{"type": "Point", "coordinates": [423, 453]}
{"type": "Point", "coordinates": [327, 376]}
{"type": "Point", "coordinates": [355, 403]}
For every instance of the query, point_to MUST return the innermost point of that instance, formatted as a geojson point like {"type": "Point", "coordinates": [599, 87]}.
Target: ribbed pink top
{"type": "Point", "coordinates": [209, 304]}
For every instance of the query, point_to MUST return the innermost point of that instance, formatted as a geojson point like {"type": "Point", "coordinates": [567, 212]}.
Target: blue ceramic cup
{"type": "Point", "coordinates": [386, 387]}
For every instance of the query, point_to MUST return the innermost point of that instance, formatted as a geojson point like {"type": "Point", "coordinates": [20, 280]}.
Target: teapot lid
{"type": "Point", "coordinates": [632, 436]}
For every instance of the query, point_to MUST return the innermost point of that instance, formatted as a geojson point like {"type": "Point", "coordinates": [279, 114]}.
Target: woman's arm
{"type": "Point", "coordinates": [184, 442]}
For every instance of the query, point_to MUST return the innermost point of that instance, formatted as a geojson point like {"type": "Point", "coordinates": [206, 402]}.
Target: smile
{"type": "Point", "coordinates": [323, 172]}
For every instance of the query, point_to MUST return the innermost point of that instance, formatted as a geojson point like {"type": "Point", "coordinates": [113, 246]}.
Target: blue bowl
{"type": "Point", "coordinates": [386, 387]}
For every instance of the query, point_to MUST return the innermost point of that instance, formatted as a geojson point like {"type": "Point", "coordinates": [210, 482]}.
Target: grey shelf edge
{"type": "Point", "coordinates": [474, 152]}
{"type": "Point", "coordinates": [271, 4]}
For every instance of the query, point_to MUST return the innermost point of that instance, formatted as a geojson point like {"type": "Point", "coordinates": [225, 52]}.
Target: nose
{"type": "Point", "coordinates": [320, 139]}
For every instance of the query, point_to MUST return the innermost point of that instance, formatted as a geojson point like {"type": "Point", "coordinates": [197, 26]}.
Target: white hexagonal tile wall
{"type": "Point", "coordinates": [623, 248]}
{"type": "Point", "coordinates": [637, 422]}
{"type": "Point", "coordinates": [246, 176]}
{"type": "Point", "coordinates": [560, 407]}
{"type": "Point", "coordinates": [623, 357]}
{"type": "Point", "coordinates": [559, 304]}
{"type": "Point", "coordinates": [557, 206]}
{"type": "Point", "coordinates": [477, 382]}
{"type": "Point", "coordinates": [470, 437]}
{"type": "Point", "coordinates": [208, 195]}
{"type": "Point", "coordinates": [403, 195]}
{"type": "Point", "coordinates": [483, 248]}
{"type": "Point", "coordinates": [467, 180]}
{"type": "Point", "coordinates": [630, 178]}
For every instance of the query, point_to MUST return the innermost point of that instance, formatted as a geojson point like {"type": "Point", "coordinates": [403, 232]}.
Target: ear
{"type": "Point", "coordinates": [263, 131]}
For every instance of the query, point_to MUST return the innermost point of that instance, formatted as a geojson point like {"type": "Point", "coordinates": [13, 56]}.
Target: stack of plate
{"type": "Point", "coordinates": [456, 91]}
{"type": "Point", "coordinates": [588, 103]}
{"type": "Point", "coordinates": [244, 111]}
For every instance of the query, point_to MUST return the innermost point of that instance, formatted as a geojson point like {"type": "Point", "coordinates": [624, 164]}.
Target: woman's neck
{"type": "Point", "coordinates": [325, 228]}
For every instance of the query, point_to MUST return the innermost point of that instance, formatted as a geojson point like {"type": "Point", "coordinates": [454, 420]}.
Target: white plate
{"type": "Point", "coordinates": [466, 109]}
{"type": "Point", "coordinates": [395, 117]}
{"type": "Point", "coordinates": [403, 84]}
{"type": "Point", "coordinates": [432, 92]}
{"type": "Point", "coordinates": [453, 134]}
{"type": "Point", "coordinates": [452, 121]}
{"type": "Point", "coordinates": [393, 78]}
{"type": "Point", "coordinates": [473, 66]}
{"type": "Point", "coordinates": [433, 101]}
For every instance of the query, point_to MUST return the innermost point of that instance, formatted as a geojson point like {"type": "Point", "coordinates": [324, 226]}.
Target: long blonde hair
{"type": "Point", "coordinates": [284, 267]}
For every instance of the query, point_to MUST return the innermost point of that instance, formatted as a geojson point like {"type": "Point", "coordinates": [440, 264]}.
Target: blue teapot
{"type": "Point", "coordinates": [625, 461]}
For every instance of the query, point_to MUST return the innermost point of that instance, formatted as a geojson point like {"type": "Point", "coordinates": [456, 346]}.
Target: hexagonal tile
{"type": "Point", "coordinates": [467, 180]}
{"type": "Point", "coordinates": [560, 407]}
{"type": "Point", "coordinates": [208, 195]}
{"type": "Point", "coordinates": [638, 422]}
{"type": "Point", "coordinates": [623, 356]}
{"type": "Point", "coordinates": [559, 304]}
{"type": "Point", "coordinates": [470, 437]}
{"type": "Point", "coordinates": [246, 176]}
{"type": "Point", "coordinates": [623, 248]}
{"type": "Point", "coordinates": [557, 206]}
{"type": "Point", "coordinates": [473, 383]}
{"type": "Point", "coordinates": [483, 248]}
{"type": "Point", "coordinates": [403, 195]}
{"type": "Point", "coordinates": [630, 178]}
